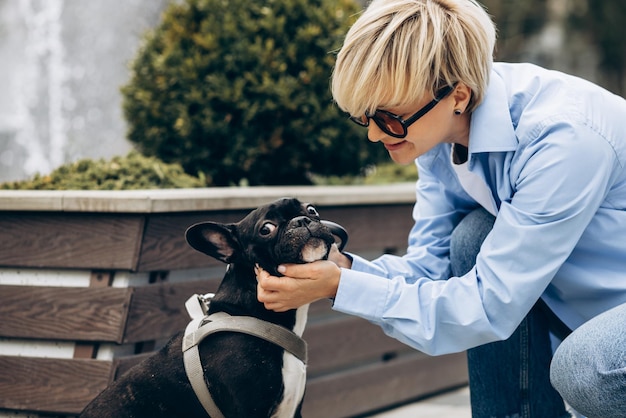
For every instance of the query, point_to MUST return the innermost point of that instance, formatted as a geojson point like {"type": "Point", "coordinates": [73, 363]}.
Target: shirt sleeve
{"type": "Point", "coordinates": [560, 179]}
{"type": "Point", "coordinates": [438, 209]}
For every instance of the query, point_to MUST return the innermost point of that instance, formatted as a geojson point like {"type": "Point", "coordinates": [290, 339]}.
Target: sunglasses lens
{"type": "Point", "coordinates": [388, 124]}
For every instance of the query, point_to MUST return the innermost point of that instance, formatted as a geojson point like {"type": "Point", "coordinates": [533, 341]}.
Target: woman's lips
{"type": "Point", "coordinates": [394, 147]}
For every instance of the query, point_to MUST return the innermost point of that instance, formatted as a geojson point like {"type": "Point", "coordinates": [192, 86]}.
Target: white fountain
{"type": "Point", "coordinates": [62, 63]}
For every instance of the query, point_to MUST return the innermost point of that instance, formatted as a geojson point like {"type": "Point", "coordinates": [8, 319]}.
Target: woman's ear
{"type": "Point", "coordinates": [461, 96]}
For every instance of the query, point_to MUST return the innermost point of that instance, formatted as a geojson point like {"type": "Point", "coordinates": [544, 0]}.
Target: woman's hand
{"type": "Point", "coordinates": [339, 258]}
{"type": "Point", "coordinates": [301, 283]}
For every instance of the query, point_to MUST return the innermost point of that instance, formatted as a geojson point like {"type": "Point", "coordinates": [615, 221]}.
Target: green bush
{"type": "Point", "coordinates": [385, 173]}
{"type": "Point", "coordinates": [133, 171]}
{"type": "Point", "coordinates": [239, 90]}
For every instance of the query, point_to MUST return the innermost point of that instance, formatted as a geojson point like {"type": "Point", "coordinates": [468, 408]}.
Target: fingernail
{"type": "Point", "coordinates": [281, 269]}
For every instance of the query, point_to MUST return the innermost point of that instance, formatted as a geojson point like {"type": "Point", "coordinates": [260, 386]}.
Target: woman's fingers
{"type": "Point", "coordinates": [301, 284]}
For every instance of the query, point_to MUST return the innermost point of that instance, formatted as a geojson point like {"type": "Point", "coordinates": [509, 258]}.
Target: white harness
{"type": "Point", "coordinates": [202, 326]}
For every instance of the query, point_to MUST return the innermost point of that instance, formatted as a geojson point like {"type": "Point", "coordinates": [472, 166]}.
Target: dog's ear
{"type": "Point", "coordinates": [214, 239]}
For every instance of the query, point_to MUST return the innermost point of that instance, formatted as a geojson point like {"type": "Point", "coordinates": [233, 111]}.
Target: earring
{"type": "Point", "coordinates": [457, 112]}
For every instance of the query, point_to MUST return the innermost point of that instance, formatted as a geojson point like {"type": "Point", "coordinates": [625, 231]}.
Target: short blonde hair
{"type": "Point", "coordinates": [399, 50]}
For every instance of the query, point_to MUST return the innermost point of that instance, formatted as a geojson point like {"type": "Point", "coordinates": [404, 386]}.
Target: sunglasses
{"type": "Point", "coordinates": [394, 125]}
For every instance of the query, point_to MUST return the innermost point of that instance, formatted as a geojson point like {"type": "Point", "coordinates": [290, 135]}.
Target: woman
{"type": "Point", "coordinates": [520, 216]}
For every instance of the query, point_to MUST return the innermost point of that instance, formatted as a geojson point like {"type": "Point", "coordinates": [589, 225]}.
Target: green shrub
{"type": "Point", "coordinates": [384, 173]}
{"type": "Point", "coordinates": [239, 90]}
{"type": "Point", "coordinates": [133, 171]}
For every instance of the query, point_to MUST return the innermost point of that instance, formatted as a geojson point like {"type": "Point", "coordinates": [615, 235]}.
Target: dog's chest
{"type": "Point", "coordinates": [294, 373]}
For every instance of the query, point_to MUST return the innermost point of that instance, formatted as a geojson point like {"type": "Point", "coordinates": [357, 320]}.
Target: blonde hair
{"type": "Point", "coordinates": [399, 50]}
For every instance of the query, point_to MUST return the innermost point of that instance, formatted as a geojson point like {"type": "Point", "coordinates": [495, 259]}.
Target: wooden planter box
{"type": "Point", "coordinates": [92, 282]}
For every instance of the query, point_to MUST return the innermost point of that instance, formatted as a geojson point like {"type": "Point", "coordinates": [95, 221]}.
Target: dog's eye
{"type": "Point", "coordinates": [267, 228]}
{"type": "Point", "coordinates": [312, 211]}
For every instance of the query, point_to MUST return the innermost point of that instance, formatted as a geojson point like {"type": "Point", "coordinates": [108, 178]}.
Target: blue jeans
{"type": "Point", "coordinates": [511, 378]}
{"type": "Point", "coordinates": [589, 367]}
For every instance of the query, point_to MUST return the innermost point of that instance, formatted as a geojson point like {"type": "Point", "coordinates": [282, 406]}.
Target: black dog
{"type": "Point", "coordinates": [246, 375]}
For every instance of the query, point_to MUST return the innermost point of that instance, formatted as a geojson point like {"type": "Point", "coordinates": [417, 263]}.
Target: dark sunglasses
{"type": "Point", "coordinates": [394, 125]}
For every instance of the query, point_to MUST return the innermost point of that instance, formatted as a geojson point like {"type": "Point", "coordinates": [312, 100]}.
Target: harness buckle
{"type": "Point", "coordinates": [205, 301]}
{"type": "Point", "coordinates": [198, 305]}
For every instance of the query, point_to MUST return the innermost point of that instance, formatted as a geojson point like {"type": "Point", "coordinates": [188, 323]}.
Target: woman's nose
{"type": "Point", "coordinates": [374, 133]}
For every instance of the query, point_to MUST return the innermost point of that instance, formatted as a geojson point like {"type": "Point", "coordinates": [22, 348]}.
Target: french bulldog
{"type": "Point", "coordinates": [247, 376]}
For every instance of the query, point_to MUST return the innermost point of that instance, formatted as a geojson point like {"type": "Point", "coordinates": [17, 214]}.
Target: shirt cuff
{"type": "Point", "coordinates": [361, 294]}
{"type": "Point", "coordinates": [360, 264]}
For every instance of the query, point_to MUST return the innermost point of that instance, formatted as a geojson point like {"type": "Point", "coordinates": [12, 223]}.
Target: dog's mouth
{"type": "Point", "coordinates": [304, 244]}
{"type": "Point", "coordinates": [315, 249]}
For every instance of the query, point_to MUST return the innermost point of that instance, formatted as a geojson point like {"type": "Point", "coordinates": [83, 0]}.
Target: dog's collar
{"type": "Point", "coordinates": [202, 326]}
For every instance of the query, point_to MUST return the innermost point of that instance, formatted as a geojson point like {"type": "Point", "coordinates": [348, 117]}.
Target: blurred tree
{"type": "Point", "coordinates": [239, 90]}
{"type": "Point", "coordinates": [581, 30]}
{"type": "Point", "coordinates": [516, 22]}
{"type": "Point", "coordinates": [604, 22]}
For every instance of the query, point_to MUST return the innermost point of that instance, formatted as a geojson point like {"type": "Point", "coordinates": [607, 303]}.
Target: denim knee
{"type": "Point", "coordinates": [467, 238]}
{"type": "Point", "coordinates": [589, 367]}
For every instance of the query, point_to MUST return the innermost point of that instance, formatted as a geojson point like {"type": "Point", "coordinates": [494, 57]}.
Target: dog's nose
{"type": "Point", "coordinates": [300, 221]}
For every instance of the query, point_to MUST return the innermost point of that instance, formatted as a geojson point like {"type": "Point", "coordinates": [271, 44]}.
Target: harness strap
{"type": "Point", "coordinates": [195, 374]}
{"type": "Point", "coordinates": [251, 326]}
{"type": "Point", "coordinates": [202, 326]}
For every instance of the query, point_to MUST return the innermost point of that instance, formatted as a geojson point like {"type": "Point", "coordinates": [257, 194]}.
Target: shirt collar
{"type": "Point", "coordinates": [491, 127]}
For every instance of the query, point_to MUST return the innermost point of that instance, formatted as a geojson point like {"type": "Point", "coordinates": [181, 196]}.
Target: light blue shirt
{"type": "Point", "coordinates": [551, 148]}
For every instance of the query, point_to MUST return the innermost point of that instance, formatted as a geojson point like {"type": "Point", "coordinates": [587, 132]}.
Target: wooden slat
{"type": "Point", "coordinates": [158, 311]}
{"type": "Point", "coordinates": [59, 386]}
{"type": "Point", "coordinates": [68, 240]}
{"type": "Point", "coordinates": [84, 349]}
{"type": "Point", "coordinates": [370, 388]}
{"type": "Point", "coordinates": [164, 246]}
{"type": "Point", "coordinates": [205, 199]}
{"type": "Point", "coordinates": [334, 339]}
{"type": "Point", "coordinates": [347, 342]}
{"type": "Point", "coordinates": [117, 241]}
{"type": "Point", "coordinates": [374, 229]}
{"type": "Point", "coordinates": [358, 390]}
{"type": "Point", "coordinates": [63, 313]}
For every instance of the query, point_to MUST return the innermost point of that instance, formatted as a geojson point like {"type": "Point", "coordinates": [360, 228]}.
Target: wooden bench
{"type": "Point", "coordinates": [103, 279]}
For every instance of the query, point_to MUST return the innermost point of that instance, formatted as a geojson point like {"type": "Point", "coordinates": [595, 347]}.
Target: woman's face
{"type": "Point", "coordinates": [437, 126]}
